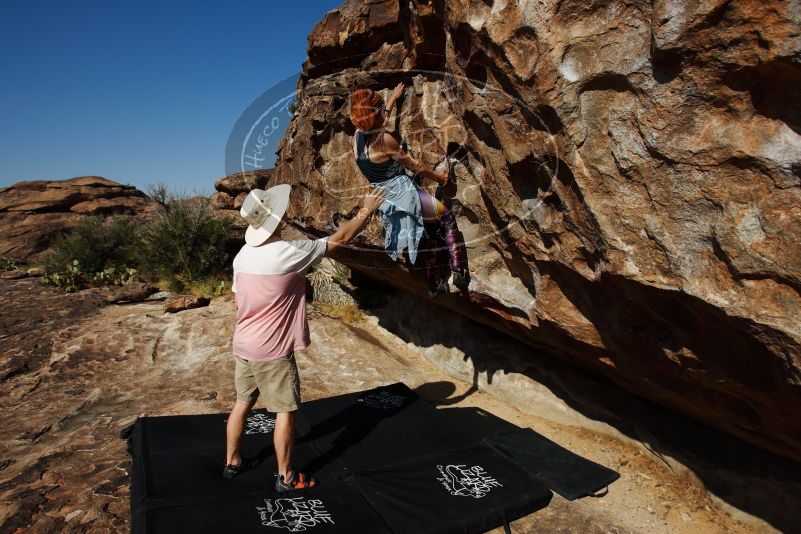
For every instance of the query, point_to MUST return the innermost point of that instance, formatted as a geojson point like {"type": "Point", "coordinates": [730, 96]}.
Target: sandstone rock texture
{"type": "Point", "coordinates": [185, 302]}
{"type": "Point", "coordinates": [33, 213]}
{"type": "Point", "coordinates": [628, 181]}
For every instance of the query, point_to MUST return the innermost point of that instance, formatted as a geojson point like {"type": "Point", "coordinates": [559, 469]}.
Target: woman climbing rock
{"type": "Point", "coordinates": [408, 209]}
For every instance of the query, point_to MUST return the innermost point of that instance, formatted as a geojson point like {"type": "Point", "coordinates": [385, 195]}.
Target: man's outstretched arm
{"type": "Point", "coordinates": [350, 229]}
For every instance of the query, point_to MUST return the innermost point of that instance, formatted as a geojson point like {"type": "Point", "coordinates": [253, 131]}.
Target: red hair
{"type": "Point", "coordinates": [366, 106]}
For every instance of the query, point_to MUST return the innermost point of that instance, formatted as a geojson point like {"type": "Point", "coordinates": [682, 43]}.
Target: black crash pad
{"type": "Point", "coordinates": [568, 474]}
{"type": "Point", "coordinates": [335, 507]}
{"type": "Point", "coordinates": [176, 458]}
{"type": "Point", "coordinates": [367, 429]}
{"type": "Point", "coordinates": [388, 461]}
{"type": "Point", "coordinates": [473, 489]}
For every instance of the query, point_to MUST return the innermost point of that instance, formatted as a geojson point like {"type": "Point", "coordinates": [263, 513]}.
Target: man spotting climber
{"type": "Point", "coordinates": [269, 287]}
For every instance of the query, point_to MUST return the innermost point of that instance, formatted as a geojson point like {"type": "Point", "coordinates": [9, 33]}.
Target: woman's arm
{"type": "Point", "coordinates": [394, 150]}
{"type": "Point", "coordinates": [393, 97]}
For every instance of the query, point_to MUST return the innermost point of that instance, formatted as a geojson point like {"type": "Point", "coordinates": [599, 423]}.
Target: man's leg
{"type": "Point", "coordinates": [279, 380]}
{"type": "Point", "coordinates": [284, 441]}
{"type": "Point", "coordinates": [234, 428]}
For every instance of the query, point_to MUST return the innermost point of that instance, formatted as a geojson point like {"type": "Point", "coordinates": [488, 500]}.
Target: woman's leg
{"type": "Point", "coordinates": [431, 208]}
{"type": "Point", "coordinates": [450, 234]}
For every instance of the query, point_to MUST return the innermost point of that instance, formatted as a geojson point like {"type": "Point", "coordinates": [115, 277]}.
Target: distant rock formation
{"type": "Point", "coordinates": [231, 192]}
{"type": "Point", "coordinates": [629, 186]}
{"type": "Point", "coordinates": [33, 213]}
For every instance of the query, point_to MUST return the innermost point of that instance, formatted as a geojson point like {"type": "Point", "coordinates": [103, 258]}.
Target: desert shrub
{"type": "Point", "coordinates": [349, 313]}
{"type": "Point", "coordinates": [73, 278]}
{"type": "Point", "coordinates": [340, 273]}
{"type": "Point", "coordinates": [9, 265]}
{"type": "Point", "coordinates": [182, 246]}
{"type": "Point", "coordinates": [183, 243]}
{"type": "Point", "coordinates": [210, 286]}
{"type": "Point", "coordinates": [96, 244]}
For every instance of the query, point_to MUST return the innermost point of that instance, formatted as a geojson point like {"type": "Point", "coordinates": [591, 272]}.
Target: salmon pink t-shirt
{"type": "Point", "coordinates": [270, 290]}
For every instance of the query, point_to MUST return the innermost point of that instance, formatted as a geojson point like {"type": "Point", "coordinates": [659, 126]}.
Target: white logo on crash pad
{"type": "Point", "coordinates": [259, 423]}
{"type": "Point", "coordinates": [383, 400]}
{"type": "Point", "coordinates": [467, 481]}
{"type": "Point", "coordinates": [295, 514]}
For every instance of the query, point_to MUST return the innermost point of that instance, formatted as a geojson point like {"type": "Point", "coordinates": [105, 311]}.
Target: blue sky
{"type": "Point", "coordinates": [138, 92]}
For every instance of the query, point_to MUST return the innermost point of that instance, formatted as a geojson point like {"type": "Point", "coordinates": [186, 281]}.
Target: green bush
{"type": "Point", "coordinates": [183, 246]}
{"type": "Point", "coordinates": [211, 286]}
{"type": "Point", "coordinates": [184, 242]}
{"type": "Point", "coordinates": [9, 265]}
{"type": "Point", "coordinates": [72, 278]}
{"type": "Point", "coordinates": [96, 243]}
{"type": "Point", "coordinates": [340, 274]}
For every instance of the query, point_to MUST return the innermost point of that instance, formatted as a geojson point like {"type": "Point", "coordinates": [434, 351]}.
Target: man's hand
{"type": "Point", "coordinates": [374, 198]}
{"type": "Point", "coordinates": [350, 229]}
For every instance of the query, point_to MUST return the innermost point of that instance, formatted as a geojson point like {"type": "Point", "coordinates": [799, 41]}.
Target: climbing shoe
{"type": "Point", "coordinates": [232, 470]}
{"type": "Point", "coordinates": [439, 289]}
{"type": "Point", "coordinates": [296, 481]}
{"type": "Point", "coordinates": [459, 279]}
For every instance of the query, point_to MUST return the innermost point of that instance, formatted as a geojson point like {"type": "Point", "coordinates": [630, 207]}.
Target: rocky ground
{"type": "Point", "coordinates": [76, 372]}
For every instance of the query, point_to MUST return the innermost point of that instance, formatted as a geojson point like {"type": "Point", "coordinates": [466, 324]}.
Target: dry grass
{"type": "Point", "coordinates": [347, 313]}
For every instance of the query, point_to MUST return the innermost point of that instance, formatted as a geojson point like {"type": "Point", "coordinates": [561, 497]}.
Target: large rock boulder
{"type": "Point", "coordinates": [628, 184]}
{"type": "Point", "coordinates": [33, 213]}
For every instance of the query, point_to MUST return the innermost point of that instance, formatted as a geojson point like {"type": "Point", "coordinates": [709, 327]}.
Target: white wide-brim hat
{"type": "Point", "coordinates": [263, 209]}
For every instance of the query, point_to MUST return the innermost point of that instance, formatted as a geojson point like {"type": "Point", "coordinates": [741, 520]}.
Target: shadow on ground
{"type": "Point", "coordinates": [756, 481]}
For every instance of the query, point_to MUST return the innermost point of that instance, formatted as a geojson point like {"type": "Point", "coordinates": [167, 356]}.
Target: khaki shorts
{"type": "Point", "coordinates": [277, 381]}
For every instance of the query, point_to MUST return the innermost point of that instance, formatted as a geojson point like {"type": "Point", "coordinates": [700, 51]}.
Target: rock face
{"type": "Point", "coordinates": [628, 185]}
{"type": "Point", "coordinates": [33, 213]}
